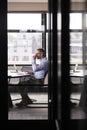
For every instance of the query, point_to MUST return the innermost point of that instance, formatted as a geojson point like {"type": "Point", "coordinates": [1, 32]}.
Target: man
{"type": "Point", "coordinates": [40, 68]}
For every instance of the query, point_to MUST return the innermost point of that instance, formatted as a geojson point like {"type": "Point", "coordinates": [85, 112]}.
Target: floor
{"type": "Point", "coordinates": [77, 112]}
{"type": "Point", "coordinates": [36, 111]}
{"type": "Point", "coordinates": [39, 109]}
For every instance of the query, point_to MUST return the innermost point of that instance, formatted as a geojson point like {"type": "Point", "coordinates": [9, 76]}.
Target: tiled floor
{"type": "Point", "coordinates": [77, 112]}
{"type": "Point", "coordinates": [36, 111]}
{"type": "Point", "coordinates": [39, 109]}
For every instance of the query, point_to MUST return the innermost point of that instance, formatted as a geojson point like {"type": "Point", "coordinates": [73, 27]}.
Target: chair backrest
{"type": "Point", "coordinates": [46, 78]}
{"type": "Point", "coordinates": [83, 98]}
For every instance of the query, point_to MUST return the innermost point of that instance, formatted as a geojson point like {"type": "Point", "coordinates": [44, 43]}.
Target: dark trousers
{"type": "Point", "coordinates": [26, 83]}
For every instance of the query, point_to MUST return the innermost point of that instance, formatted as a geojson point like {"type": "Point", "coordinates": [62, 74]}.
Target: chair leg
{"type": "Point", "coordinates": [10, 104]}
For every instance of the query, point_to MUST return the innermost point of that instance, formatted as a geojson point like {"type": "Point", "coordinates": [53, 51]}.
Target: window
{"type": "Point", "coordinates": [25, 34]}
{"type": "Point", "coordinates": [23, 45]}
{"type": "Point", "coordinates": [76, 38]}
{"type": "Point", "coordinates": [76, 47]}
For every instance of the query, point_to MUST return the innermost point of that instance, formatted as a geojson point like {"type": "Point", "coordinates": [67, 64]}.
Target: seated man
{"type": "Point", "coordinates": [39, 71]}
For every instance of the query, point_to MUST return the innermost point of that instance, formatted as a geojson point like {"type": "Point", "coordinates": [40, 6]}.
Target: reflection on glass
{"type": "Point", "coordinates": [75, 48]}
{"type": "Point", "coordinates": [59, 21]}
{"type": "Point", "coordinates": [47, 20]}
{"type": "Point", "coordinates": [86, 21]}
{"type": "Point", "coordinates": [78, 69]}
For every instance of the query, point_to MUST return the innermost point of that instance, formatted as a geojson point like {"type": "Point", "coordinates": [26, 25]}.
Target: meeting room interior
{"type": "Point", "coordinates": [60, 28]}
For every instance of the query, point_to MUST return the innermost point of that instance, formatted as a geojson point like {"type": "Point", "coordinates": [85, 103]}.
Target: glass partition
{"type": "Point", "coordinates": [78, 69]}
{"type": "Point", "coordinates": [26, 33]}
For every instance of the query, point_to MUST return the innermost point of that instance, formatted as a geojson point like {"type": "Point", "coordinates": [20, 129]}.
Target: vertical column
{"type": "Point", "coordinates": [3, 61]}
{"type": "Point", "coordinates": [65, 90]}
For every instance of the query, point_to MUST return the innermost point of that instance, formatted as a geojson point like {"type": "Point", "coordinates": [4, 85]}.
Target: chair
{"type": "Point", "coordinates": [83, 98]}
{"type": "Point", "coordinates": [9, 101]}
{"type": "Point", "coordinates": [46, 78]}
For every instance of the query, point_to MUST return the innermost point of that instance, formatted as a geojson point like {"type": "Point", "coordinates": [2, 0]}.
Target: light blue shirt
{"type": "Point", "coordinates": [40, 69]}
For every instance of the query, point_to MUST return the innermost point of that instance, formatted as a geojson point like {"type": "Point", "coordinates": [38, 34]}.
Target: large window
{"type": "Point", "coordinates": [76, 48]}
{"type": "Point", "coordinates": [22, 45]}
{"type": "Point", "coordinates": [25, 35]}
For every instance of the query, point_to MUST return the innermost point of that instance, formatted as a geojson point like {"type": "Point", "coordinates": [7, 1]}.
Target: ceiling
{"type": "Point", "coordinates": [40, 0]}
{"type": "Point", "coordinates": [27, 0]}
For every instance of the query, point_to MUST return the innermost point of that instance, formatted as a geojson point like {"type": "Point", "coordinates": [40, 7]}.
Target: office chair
{"type": "Point", "coordinates": [83, 98]}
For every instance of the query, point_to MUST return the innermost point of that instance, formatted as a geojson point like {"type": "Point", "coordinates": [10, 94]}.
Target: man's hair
{"type": "Point", "coordinates": [42, 50]}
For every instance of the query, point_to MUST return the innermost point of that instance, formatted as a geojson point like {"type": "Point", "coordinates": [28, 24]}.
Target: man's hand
{"type": "Point", "coordinates": [34, 56]}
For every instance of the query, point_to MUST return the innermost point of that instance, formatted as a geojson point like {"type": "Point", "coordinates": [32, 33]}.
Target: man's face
{"type": "Point", "coordinates": [39, 54]}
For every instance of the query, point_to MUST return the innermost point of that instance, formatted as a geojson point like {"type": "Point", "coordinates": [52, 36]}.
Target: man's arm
{"type": "Point", "coordinates": [39, 67]}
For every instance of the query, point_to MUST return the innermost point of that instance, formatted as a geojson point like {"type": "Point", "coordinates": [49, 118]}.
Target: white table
{"type": "Point", "coordinates": [14, 74]}
{"type": "Point", "coordinates": [78, 74]}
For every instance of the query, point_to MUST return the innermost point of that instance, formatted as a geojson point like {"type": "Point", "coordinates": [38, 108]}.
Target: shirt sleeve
{"type": "Point", "coordinates": [39, 67]}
